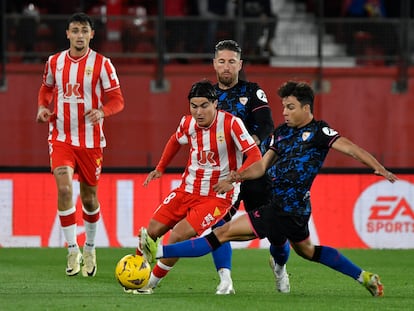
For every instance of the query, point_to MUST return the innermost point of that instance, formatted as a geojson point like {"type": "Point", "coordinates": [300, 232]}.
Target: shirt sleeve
{"type": "Point", "coordinates": [45, 96]}
{"type": "Point", "coordinates": [260, 122]}
{"type": "Point", "coordinates": [325, 135]}
{"type": "Point", "coordinates": [241, 136]}
{"type": "Point", "coordinates": [109, 77]}
{"type": "Point", "coordinates": [170, 150]}
{"type": "Point", "coordinates": [115, 102]}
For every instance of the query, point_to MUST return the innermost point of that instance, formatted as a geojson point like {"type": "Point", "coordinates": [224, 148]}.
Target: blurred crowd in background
{"type": "Point", "coordinates": [35, 29]}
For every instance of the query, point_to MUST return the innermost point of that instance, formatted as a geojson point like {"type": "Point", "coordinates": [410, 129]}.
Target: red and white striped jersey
{"type": "Point", "coordinates": [79, 86]}
{"type": "Point", "coordinates": [214, 152]}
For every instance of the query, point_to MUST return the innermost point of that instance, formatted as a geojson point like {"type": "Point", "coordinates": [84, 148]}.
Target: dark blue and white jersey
{"type": "Point", "coordinates": [248, 101]}
{"type": "Point", "coordinates": [301, 153]}
{"type": "Point", "coordinates": [263, 148]}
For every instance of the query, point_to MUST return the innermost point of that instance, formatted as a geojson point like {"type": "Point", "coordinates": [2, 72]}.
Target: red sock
{"type": "Point", "coordinates": [67, 218]}
{"type": "Point", "coordinates": [91, 217]}
{"type": "Point", "coordinates": [160, 272]}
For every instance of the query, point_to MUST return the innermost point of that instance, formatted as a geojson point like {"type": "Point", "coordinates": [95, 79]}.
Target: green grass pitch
{"type": "Point", "coordinates": [34, 279]}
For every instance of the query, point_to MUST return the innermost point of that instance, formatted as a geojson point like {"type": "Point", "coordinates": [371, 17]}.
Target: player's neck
{"type": "Point", "coordinates": [227, 86]}
{"type": "Point", "coordinates": [305, 122]}
{"type": "Point", "coordinates": [74, 53]}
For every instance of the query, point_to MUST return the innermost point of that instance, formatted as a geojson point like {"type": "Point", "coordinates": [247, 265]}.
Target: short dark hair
{"type": "Point", "coordinates": [301, 90]}
{"type": "Point", "coordinates": [203, 88]}
{"type": "Point", "coordinates": [230, 45]}
{"type": "Point", "coordinates": [81, 18]}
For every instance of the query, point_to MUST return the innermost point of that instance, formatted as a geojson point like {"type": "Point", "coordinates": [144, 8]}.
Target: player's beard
{"type": "Point", "coordinates": [79, 48]}
{"type": "Point", "coordinates": [226, 80]}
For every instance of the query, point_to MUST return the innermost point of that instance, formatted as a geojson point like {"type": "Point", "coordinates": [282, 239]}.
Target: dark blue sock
{"type": "Point", "coordinates": [280, 253]}
{"type": "Point", "coordinates": [189, 248]}
{"type": "Point", "coordinates": [222, 255]}
{"type": "Point", "coordinates": [333, 258]}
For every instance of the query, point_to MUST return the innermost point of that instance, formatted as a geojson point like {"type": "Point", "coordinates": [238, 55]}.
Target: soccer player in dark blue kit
{"type": "Point", "coordinates": [247, 101]}
{"type": "Point", "coordinates": [299, 149]}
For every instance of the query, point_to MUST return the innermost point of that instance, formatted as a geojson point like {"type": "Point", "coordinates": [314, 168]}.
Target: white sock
{"type": "Point", "coordinates": [69, 232]}
{"type": "Point", "coordinates": [280, 269]}
{"type": "Point", "coordinates": [225, 274]}
{"type": "Point", "coordinates": [90, 230]}
{"type": "Point", "coordinates": [154, 281]}
{"type": "Point", "coordinates": [360, 279]}
{"type": "Point", "coordinates": [160, 252]}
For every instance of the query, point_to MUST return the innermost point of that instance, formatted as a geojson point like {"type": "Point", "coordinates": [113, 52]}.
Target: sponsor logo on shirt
{"type": "Point", "coordinates": [207, 221]}
{"type": "Point", "coordinates": [72, 90]}
{"type": "Point", "coordinates": [328, 131]}
{"type": "Point", "coordinates": [206, 158]}
{"type": "Point", "coordinates": [243, 136]}
{"type": "Point", "coordinates": [261, 95]}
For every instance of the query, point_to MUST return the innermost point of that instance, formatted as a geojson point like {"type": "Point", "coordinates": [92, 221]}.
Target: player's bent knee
{"type": "Point", "coordinates": [213, 240]}
{"type": "Point", "coordinates": [317, 254]}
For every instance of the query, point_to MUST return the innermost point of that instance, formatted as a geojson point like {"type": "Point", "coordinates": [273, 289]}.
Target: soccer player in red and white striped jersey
{"type": "Point", "coordinates": [218, 141]}
{"type": "Point", "coordinates": [213, 154]}
{"type": "Point", "coordinates": [84, 88]}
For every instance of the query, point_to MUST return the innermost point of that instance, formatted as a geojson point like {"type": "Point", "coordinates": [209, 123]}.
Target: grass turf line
{"type": "Point", "coordinates": [34, 279]}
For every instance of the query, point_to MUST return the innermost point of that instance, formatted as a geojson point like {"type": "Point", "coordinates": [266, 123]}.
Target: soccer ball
{"type": "Point", "coordinates": [132, 271]}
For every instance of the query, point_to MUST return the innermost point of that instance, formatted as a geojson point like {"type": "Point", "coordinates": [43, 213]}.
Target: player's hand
{"type": "Point", "coordinates": [387, 175]}
{"type": "Point", "coordinates": [44, 115]}
{"type": "Point", "coordinates": [223, 186]}
{"type": "Point", "coordinates": [256, 139]}
{"type": "Point", "coordinates": [152, 175]}
{"type": "Point", "coordinates": [94, 115]}
{"type": "Point", "coordinates": [234, 176]}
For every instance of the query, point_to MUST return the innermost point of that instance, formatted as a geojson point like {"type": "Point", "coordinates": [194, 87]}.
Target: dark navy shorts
{"type": "Point", "coordinates": [268, 223]}
{"type": "Point", "coordinates": [256, 192]}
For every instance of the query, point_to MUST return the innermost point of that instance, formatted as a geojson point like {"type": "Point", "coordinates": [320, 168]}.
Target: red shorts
{"type": "Point", "coordinates": [86, 162]}
{"type": "Point", "coordinates": [201, 212]}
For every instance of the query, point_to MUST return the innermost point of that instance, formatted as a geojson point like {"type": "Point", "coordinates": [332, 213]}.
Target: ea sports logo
{"type": "Point", "coordinates": [384, 215]}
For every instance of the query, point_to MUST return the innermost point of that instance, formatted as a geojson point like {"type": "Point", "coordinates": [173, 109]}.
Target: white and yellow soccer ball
{"type": "Point", "coordinates": [132, 271]}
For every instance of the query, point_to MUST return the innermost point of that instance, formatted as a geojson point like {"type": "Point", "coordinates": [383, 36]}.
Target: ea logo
{"type": "Point", "coordinates": [384, 215]}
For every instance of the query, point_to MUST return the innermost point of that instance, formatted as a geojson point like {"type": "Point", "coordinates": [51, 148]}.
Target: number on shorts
{"type": "Point", "coordinates": [171, 196]}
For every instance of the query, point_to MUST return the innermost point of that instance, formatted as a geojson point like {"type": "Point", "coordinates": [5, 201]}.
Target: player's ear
{"type": "Point", "coordinates": [92, 33]}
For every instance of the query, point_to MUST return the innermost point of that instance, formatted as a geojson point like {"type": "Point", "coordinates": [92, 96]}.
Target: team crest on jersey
{"type": "Point", "coordinates": [261, 95]}
{"type": "Point", "coordinates": [220, 137]}
{"type": "Point", "coordinates": [88, 70]}
{"type": "Point", "coordinates": [243, 100]}
{"type": "Point", "coordinates": [328, 131]}
{"type": "Point", "coordinates": [305, 135]}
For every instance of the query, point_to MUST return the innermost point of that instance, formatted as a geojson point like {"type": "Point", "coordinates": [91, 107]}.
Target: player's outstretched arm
{"type": "Point", "coordinates": [255, 170]}
{"type": "Point", "coordinates": [347, 147]}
